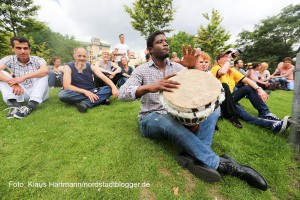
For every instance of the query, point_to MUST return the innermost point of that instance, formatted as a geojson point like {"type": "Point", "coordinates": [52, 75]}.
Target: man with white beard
{"type": "Point", "coordinates": [79, 86]}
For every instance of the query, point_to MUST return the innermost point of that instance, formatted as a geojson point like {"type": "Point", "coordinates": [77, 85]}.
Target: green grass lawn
{"type": "Point", "coordinates": [43, 154]}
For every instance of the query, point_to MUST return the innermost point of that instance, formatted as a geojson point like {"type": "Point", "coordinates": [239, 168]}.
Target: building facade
{"type": "Point", "coordinates": [96, 45]}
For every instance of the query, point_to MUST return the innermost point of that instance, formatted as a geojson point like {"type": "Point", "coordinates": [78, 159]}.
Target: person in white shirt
{"type": "Point", "coordinates": [29, 82]}
{"type": "Point", "coordinates": [121, 49]}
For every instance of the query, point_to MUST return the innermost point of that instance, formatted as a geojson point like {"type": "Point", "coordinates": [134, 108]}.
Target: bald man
{"type": "Point", "coordinates": [79, 86]}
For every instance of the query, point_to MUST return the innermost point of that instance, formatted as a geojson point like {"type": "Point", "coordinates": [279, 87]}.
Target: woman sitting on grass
{"type": "Point", "coordinates": [126, 71]}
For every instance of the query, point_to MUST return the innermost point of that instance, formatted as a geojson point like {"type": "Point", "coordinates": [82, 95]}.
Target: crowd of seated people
{"type": "Point", "coordinates": [87, 85]}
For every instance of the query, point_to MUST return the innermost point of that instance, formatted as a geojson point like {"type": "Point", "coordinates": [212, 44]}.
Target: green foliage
{"type": "Point", "coordinates": [43, 52]}
{"type": "Point", "coordinates": [56, 143]}
{"type": "Point", "coordinates": [177, 40]}
{"type": "Point", "coordinates": [149, 16]}
{"type": "Point", "coordinates": [273, 38]}
{"type": "Point", "coordinates": [15, 14]}
{"type": "Point", "coordinates": [56, 43]}
{"type": "Point", "coordinates": [213, 37]}
{"type": "Point", "coordinates": [17, 18]}
{"type": "Point", "coordinates": [5, 44]}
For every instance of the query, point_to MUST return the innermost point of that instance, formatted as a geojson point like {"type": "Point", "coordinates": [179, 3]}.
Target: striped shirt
{"type": "Point", "coordinates": [146, 74]}
{"type": "Point", "coordinates": [18, 69]}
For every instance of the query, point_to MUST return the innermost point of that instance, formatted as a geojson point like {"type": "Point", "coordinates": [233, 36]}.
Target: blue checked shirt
{"type": "Point", "coordinates": [145, 74]}
{"type": "Point", "coordinates": [18, 69]}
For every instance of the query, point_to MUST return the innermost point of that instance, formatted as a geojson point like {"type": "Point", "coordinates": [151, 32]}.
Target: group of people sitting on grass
{"type": "Point", "coordinates": [118, 72]}
{"type": "Point", "coordinates": [282, 78]}
{"type": "Point", "coordinates": [86, 86]}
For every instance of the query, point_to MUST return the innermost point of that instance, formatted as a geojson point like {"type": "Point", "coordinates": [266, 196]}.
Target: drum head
{"type": "Point", "coordinates": [197, 89]}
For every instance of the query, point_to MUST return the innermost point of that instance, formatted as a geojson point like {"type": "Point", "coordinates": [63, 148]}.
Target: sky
{"type": "Point", "coordinates": [106, 19]}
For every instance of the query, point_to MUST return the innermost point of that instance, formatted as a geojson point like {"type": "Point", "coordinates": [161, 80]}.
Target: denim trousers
{"type": "Point", "coordinates": [253, 120]}
{"type": "Point", "coordinates": [283, 81]}
{"type": "Point", "coordinates": [122, 80]}
{"type": "Point", "coordinates": [198, 145]}
{"type": "Point", "coordinates": [52, 79]}
{"type": "Point", "coordinates": [252, 95]}
{"type": "Point", "coordinates": [69, 96]}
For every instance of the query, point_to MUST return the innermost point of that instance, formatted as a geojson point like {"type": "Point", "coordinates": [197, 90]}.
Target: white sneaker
{"type": "Point", "coordinates": [11, 112]}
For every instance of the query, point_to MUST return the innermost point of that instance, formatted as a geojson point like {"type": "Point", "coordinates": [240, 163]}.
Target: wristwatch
{"type": "Point", "coordinates": [258, 88]}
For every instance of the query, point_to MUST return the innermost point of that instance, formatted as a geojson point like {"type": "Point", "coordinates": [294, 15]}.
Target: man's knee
{"type": "Point", "coordinates": [63, 95]}
{"type": "Point", "coordinates": [105, 89]}
{"type": "Point", "coordinates": [6, 73]}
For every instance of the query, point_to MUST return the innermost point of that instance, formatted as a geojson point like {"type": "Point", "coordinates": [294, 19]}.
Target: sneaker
{"type": "Point", "coordinates": [282, 87]}
{"type": "Point", "coordinates": [23, 112]}
{"type": "Point", "coordinates": [81, 107]}
{"type": "Point", "coordinates": [288, 121]}
{"type": "Point", "coordinates": [11, 112]}
{"type": "Point", "coordinates": [235, 122]}
{"type": "Point", "coordinates": [270, 116]}
{"type": "Point", "coordinates": [200, 170]}
{"type": "Point", "coordinates": [281, 126]}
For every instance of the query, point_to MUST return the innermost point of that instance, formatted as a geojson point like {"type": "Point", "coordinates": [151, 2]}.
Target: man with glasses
{"type": "Point", "coordinates": [29, 81]}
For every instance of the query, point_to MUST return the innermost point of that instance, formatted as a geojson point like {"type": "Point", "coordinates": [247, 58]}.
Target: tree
{"type": "Point", "coordinates": [176, 41]}
{"type": "Point", "coordinates": [39, 49]}
{"type": "Point", "coordinates": [5, 44]}
{"type": "Point", "coordinates": [15, 14]}
{"type": "Point", "coordinates": [56, 43]}
{"type": "Point", "coordinates": [149, 16]}
{"type": "Point", "coordinates": [213, 37]}
{"type": "Point", "coordinates": [273, 38]}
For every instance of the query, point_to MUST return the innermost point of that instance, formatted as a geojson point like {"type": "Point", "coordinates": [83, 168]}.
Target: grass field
{"type": "Point", "coordinates": [43, 155]}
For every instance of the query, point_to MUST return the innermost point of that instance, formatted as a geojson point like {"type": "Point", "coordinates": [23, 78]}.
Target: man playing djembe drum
{"type": "Point", "coordinates": [156, 123]}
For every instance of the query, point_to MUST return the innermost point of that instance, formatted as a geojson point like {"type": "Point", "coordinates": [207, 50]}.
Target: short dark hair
{"type": "Point", "coordinates": [150, 39]}
{"type": "Point", "coordinates": [255, 64]}
{"type": "Point", "coordinates": [287, 59]}
{"type": "Point", "coordinates": [20, 39]}
{"type": "Point", "coordinates": [121, 35]}
{"type": "Point", "coordinates": [236, 61]}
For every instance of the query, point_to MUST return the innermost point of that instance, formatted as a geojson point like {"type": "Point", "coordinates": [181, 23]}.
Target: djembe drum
{"type": "Point", "coordinates": [198, 95]}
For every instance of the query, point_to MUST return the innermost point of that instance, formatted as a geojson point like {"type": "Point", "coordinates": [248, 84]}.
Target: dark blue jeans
{"type": "Point", "coordinates": [122, 80]}
{"type": "Point", "coordinates": [252, 95]}
{"type": "Point", "coordinates": [69, 96]}
{"type": "Point", "coordinates": [253, 120]}
{"type": "Point", "coordinates": [55, 80]}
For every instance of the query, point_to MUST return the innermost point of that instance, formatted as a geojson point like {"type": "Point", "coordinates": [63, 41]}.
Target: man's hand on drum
{"type": "Point", "coordinates": [164, 84]}
{"type": "Point", "coordinates": [189, 57]}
